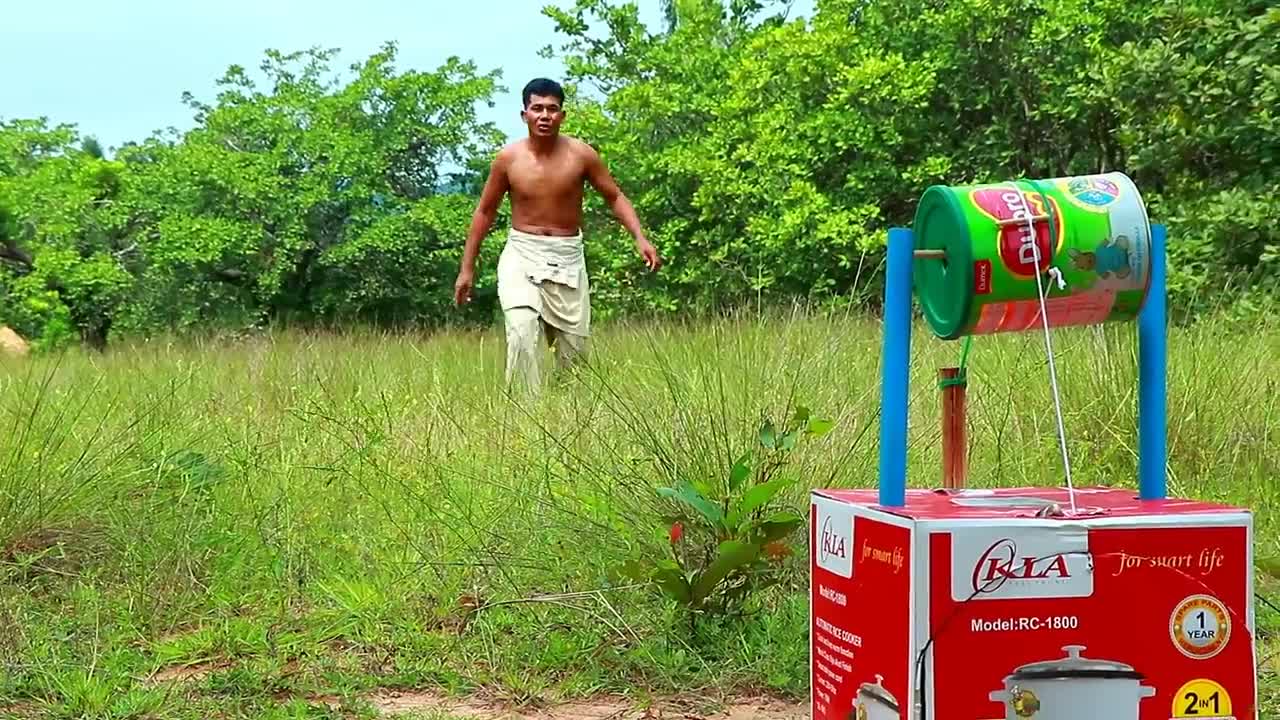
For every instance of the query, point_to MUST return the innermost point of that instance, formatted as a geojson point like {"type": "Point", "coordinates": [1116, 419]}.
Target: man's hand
{"type": "Point", "coordinates": [463, 285]}
{"type": "Point", "coordinates": [650, 255]}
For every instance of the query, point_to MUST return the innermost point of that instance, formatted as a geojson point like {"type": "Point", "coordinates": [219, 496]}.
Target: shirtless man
{"type": "Point", "coordinates": [542, 275]}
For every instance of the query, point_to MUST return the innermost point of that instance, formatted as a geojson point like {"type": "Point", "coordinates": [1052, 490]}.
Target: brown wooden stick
{"type": "Point", "coordinates": [930, 254]}
{"type": "Point", "coordinates": [954, 441]}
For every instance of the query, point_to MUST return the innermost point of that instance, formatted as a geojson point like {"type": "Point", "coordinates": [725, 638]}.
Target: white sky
{"type": "Point", "coordinates": [118, 69]}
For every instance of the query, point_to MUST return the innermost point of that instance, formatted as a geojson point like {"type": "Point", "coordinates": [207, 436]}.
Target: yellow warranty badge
{"type": "Point", "coordinates": [1203, 699]}
{"type": "Point", "coordinates": [1200, 627]}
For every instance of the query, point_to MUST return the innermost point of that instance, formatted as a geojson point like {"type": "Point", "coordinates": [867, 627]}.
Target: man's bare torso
{"type": "Point", "coordinates": [544, 176]}
{"type": "Point", "coordinates": [546, 188]}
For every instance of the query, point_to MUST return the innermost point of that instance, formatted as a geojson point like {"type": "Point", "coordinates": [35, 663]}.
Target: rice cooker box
{"type": "Point", "coordinates": [1008, 605]}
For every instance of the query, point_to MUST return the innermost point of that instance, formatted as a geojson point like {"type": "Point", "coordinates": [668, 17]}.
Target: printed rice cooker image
{"type": "Point", "coordinates": [1071, 688]}
{"type": "Point", "coordinates": [875, 702]}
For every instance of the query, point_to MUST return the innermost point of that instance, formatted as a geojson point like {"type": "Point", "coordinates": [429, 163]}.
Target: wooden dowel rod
{"type": "Point", "coordinates": [931, 254]}
{"type": "Point", "coordinates": [955, 451]}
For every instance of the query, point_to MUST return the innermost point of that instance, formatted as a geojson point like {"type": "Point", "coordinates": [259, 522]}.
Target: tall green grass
{"type": "Point", "coordinates": [294, 517]}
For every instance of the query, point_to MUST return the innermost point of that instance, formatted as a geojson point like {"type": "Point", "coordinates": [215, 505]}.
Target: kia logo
{"type": "Point", "coordinates": [1001, 563]}
{"type": "Point", "coordinates": [833, 544]}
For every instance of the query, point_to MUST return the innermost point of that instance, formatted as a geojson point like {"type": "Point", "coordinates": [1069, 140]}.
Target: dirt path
{"type": "Point", "coordinates": [412, 704]}
{"type": "Point", "coordinates": [407, 704]}
{"type": "Point", "coordinates": [404, 705]}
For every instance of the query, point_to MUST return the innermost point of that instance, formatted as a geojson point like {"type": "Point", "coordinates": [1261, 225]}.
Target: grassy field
{"type": "Point", "coordinates": [288, 525]}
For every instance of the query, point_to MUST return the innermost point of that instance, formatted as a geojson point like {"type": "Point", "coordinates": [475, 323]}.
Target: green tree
{"type": "Point", "coordinates": [1198, 111]}
{"type": "Point", "coordinates": [65, 239]}
{"type": "Point", "coordinates": [770, 155]}
{"type": "Point", "coordinates": [314, 201]}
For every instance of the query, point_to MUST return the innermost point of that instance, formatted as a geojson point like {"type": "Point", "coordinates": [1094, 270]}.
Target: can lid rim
{"type": "Point", "coordinates": [1059, 673]}
{"type": "Point", "coordinates": [945, 299]}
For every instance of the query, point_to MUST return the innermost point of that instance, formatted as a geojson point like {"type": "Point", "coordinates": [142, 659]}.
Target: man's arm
{"type": "Point", "coordinates": [602, 180]}
{"type": "Point", "coordinates": [486, 212]}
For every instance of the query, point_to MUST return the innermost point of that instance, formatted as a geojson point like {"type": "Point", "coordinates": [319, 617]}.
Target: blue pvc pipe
{"type": "Point", "coordinates": [895, 369]}
{"type": "Point", "coordinates": [1152, 349]}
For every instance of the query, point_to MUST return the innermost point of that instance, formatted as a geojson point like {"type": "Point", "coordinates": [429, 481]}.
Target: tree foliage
{"type": "Point", "coordinates": [308, 200]}
{"type": "Point", "coordinates": [766, 155]}
{"type": "Point", "coordinates": [770, 154]}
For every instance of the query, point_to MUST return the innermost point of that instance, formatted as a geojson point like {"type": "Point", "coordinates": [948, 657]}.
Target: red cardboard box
{"type": "Point", "coordinates": [1021, 609]}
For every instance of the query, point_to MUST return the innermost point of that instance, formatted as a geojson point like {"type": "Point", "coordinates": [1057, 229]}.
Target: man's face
{"type": "Point", "coordinates": [543, 115]}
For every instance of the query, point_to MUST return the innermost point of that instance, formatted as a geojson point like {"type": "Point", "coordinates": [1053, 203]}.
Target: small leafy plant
{"type": "Point", "coordinates": [726, 539]}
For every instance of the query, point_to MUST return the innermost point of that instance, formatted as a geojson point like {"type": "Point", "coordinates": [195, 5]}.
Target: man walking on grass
{"type": "Point", "coordinates": [542, 274]}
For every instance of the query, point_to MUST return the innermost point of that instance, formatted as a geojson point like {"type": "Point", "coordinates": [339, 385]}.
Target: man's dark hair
{"type": "Point", "coordinates": [544, 87]}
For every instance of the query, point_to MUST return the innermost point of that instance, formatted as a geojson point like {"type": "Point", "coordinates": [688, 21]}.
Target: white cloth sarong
{"type": "Point", "coordinates": [549, 275]}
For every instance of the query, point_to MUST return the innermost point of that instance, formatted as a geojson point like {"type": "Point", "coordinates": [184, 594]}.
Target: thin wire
{"type": "Point", "coordinates": [1267, 602]}
{"type": "Point", "coordinates": [1048, 343]}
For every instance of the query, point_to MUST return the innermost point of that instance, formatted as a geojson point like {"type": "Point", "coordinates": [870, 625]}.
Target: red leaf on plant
{"type": "Point", "coordinates": [777, 550]}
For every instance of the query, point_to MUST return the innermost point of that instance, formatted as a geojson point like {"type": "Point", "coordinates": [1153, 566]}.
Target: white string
{"type": "Point", "coordinates": [1048, 343]}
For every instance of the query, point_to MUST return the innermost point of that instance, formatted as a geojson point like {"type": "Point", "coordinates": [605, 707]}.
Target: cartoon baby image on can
{"type": "Point", "coordinates": [1109, 257]}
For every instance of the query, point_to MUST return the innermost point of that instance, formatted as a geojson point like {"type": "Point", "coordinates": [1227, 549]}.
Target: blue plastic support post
{"type": "Point", "coordinates": [1152, 377]}
{"type": "Point", "coordinates": [895, 361]}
